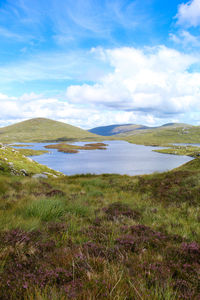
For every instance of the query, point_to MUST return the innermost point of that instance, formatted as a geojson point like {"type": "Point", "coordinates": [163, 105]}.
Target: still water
{"type": "Point", "coordinates": [120, 157]}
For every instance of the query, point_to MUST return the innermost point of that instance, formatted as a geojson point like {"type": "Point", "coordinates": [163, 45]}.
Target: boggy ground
{"type": "Point", "coordinates": [101, 237]}
{"type": "Point", "coordinates": [69, 148]}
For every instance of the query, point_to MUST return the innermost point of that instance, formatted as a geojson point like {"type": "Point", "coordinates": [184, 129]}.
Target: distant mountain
{"type": "Point", "coordinates": [129, 129]}
{"type": "Point", "coordinates": [116, 129]}
{"type": "Point", "coordinates": [175, 125]}
{"type": "Point", "coordinates": [43, 130]}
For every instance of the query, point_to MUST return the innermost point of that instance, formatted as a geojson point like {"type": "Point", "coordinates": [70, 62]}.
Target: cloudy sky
{"type": "Point", "coordinates": [99, 62]}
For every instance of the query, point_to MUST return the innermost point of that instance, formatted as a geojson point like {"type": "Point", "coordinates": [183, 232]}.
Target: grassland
{"type": "Point", "coordinates": [181, 150]}
{"type": "Point", "coordinates": [163, 136]}
{"type": "Point", "coordinates": [44, 130]}
{"type": "Point", "coordinates": [69, 148]}
{"type": "Point", "coordinates": [99, 237]}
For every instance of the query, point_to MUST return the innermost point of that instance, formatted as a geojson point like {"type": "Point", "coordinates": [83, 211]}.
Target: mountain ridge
{"type": "Point", "coordinates": [116, 129]}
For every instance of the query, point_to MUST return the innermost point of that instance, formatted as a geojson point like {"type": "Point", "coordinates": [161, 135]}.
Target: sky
{"type": "Point", "coordinates": [99, 62]}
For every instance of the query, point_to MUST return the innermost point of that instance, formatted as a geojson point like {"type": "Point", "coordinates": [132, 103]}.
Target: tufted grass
{"type": "Point", "coordinates": [101, 236]}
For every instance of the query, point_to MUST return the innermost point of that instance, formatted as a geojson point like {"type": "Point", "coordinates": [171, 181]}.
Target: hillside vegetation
{"type": "Point", "coordinates": [181, 150]}
{"type": "Point", "coordinates": [43, 130]}
{"type": "Point", "coordinates": [100, 237]}
{"type": "Point", "coordinates": [163, 135]}
{"type": "Point", "coordinates": [14, 162]}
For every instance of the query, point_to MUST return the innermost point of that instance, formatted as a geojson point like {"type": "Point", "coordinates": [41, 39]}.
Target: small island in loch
{"type": "Point", "coordinates": [68, 148]}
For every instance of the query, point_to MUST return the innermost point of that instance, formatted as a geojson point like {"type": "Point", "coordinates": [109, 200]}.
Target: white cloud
{"type": "Point", "coordinates": [148, 86]}
{"type": "Point", "coordinates": [154, 80]}
{"type": "Point", "coordinates": [186, 39]}
{"type": "Point", "coordinates": [16, 109]}
{"type": "Point", "coordinates": [189, 14]}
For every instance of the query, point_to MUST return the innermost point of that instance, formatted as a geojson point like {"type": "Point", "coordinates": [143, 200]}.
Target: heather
{"type": "Point", "coordinates": [101, 237]}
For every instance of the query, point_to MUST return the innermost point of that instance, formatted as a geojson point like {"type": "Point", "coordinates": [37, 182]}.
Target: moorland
{"type": "Point", "coordinates": [96, 237]}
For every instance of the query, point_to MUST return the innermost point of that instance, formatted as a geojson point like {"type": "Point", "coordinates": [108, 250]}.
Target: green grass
{"type": "Point", "coordinates": [44, 209]}
{"type": "Point", "coordinates": [13, 161]}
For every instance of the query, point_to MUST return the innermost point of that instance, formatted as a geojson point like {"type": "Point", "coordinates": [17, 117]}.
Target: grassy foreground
{"type": "Point", "coordinates": [101, 237]}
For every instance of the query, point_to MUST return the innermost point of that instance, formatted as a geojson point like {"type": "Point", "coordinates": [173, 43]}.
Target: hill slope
{"type": "Point", "coordinates": [129, 128]}
{"type": "Point", "coordinates": [181, 133]}
{"type": "Point", "coordinates": [43, 130]}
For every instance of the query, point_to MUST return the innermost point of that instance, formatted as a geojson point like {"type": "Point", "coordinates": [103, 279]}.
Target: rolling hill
{"type": "Point", "coordinates": [144, 135]}
{"type": "Point", "coordinates": [130, 129]}
{"type": "Point", "coordinates": [43, 130]}
{"type": "Point", "coordinates": [175, 133]}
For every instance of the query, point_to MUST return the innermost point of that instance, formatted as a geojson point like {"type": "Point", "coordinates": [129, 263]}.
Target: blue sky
{"type": "Point", "coordinates": [98, 62]}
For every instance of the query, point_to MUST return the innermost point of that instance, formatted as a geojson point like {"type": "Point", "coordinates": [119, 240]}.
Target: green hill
{"type": "Point", "coordinates": [170, 133]}
{"type": "Point", "coordinates": [43, 130]}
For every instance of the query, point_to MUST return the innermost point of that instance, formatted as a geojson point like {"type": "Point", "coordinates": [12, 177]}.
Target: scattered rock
{"type": "Point", "coordinates": [29, 159]}
{"type": "Point", "coordinates": [50, 174]}
{"type": "Point", "coordinates": [14, 172]}
{"type": "Point", "coordinates": [2, 147]}
{"type": "Point", "coordinates": [24, 172]}
{"type": "Point", "coordinates": [39, 176]}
